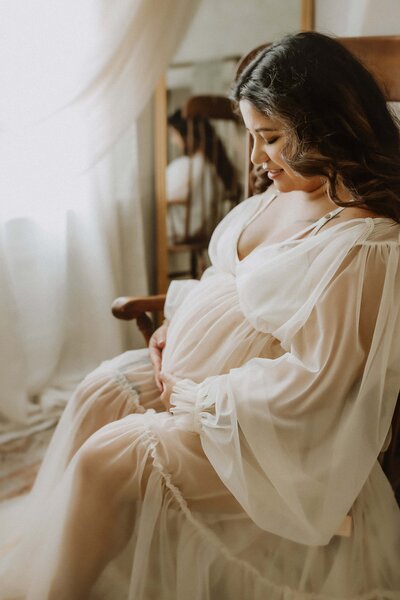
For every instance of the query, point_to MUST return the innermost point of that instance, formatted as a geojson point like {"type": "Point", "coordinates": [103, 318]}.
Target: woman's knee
{"type": "Point", "coordinates": [118, 387]}
{"type": "Point", "coordinates": [107, 393]}
{"type": "Point", "coordinates": [89, 386]}
{"type": "Point", "coordinates": [115, 461]}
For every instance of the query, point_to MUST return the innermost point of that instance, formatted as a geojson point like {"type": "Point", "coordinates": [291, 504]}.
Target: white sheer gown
{"type": "Point", "coordinates": [264, 483]}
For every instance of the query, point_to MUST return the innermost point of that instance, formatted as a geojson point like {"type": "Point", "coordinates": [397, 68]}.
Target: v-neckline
{"type": "Point", "coordinates": [326, 217]}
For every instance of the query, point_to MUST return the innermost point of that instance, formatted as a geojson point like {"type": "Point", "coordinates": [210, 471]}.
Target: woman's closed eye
{"type": "Point", "coordinates": [271, 140]}
{"type": "Point", "coordinates": [263, 138]}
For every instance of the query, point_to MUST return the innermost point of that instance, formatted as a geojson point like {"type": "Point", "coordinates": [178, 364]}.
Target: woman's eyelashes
{"type": "Point", "coordinates": [270, 140]}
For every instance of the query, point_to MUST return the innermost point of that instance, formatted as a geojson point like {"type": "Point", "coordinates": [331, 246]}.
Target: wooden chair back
{"type": "Point", "coordinates": [212, 109]}
{"type": "Point", "coordinates": [201, 112]}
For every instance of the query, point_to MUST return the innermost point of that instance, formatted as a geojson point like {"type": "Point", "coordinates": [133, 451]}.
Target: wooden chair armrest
{"type": "Point", "coordinates": [129, 308]}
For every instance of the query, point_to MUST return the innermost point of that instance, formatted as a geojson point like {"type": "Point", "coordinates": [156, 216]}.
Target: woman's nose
{"type": "Point", "coordinates": [258, 154]}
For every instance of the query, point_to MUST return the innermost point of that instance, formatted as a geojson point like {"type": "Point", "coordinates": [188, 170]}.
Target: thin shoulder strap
{"type": "Point", "coordinates": [327, 218]}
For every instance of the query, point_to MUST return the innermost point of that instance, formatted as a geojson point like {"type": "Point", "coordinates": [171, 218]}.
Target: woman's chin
{"type": "Point", "coordinates": [283, 186]}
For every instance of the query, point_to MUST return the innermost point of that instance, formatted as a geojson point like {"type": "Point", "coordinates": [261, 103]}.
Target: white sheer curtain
{"type": "Point", "coordinates": [75, 77]}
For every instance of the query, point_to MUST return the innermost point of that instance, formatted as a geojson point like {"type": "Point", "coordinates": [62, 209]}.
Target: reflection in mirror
{"type": "Point", "coordinates": [200, 189]}
{"type": "Point", "coordinates": [203, 179]}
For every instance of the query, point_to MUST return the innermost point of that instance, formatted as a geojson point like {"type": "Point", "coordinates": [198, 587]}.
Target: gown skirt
{"type": "Point", "coordinates": [136, 503]}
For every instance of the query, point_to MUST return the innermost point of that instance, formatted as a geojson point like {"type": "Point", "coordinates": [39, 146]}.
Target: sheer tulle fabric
{"type": "Point", "coordinates": [283, 408]}
{"type": "Point", "coordinates": [72, 234]}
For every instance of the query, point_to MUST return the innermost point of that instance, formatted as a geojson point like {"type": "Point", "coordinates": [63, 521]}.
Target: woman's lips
{"type": "Point", "coordinates": [274, 173]}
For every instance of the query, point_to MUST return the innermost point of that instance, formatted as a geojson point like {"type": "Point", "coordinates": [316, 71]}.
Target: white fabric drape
{"type": "Point", "coordinates": [75, 77]}
{"type": "Point", "coordinates": [289, 364]}
{"type": "Point", "coordinates": [334, 382]}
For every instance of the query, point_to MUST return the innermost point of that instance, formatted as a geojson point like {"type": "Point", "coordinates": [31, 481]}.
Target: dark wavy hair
{"type": "Point", "coordinates": [205, 138]}
{"type": "Point", "coordinates": [336, 118]}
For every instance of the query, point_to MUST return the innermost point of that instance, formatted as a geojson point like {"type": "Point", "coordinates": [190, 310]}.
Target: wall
{"type": "Point", "coordinates": [224, 28]}
{"type": "Point", "coordinates": [358, 17]}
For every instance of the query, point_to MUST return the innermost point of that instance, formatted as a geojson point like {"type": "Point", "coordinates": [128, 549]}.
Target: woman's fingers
{"type": "Point", "coordinates": [155, 351]}
{"type": "Point", "coordinates": [166, 390]}
{"type": "Point", "coordinates": [169, 380]}
{"type": "Point", "coordinates": [158, 379]}
{"type": "Point", "coordinates": [156, 346]}
{"type": "Point", "coordinates": [155, 356]}
{"type": "Point", "coordinates": [164, 397]}
{"type": "Point", "coordinates": [156, 359]}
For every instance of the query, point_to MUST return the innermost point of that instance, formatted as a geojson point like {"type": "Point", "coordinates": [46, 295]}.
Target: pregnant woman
{"type": "Point", "coordinates": [239, 459]}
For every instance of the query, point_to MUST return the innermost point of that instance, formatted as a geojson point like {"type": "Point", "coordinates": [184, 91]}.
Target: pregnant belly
{"type": "Point", "coordinates": [209, 335]}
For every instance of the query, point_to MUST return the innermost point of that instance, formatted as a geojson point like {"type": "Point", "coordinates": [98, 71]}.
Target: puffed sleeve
{"type": "Point", "coordinates": [295, 438]}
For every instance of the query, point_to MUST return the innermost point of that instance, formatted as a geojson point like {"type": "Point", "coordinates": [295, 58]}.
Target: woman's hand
{"type": "Point", "coordinates": [168, 382]}
{"type": "Point", "coordinates": [156, 347]}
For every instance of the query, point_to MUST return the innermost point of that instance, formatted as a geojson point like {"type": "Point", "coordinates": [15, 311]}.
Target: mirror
{"type": "Point", "coordinates": [206, 143]}
{"type": "Point", "coordinates": [196, 189]}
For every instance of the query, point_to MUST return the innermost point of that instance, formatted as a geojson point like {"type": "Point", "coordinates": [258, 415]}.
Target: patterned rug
{"type": "Point", "coordinates": [19, 462]}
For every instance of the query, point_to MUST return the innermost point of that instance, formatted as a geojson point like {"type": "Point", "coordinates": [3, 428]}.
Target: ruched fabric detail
{"type": "Point", "coordinates": [288, 369]}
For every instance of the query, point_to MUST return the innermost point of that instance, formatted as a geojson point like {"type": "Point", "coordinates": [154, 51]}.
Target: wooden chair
{"type": "Point", "coordinates": [130, 308]}
{"type": "Point", "coordinates": [199, 111]}
{"type": "Point", "coordinates": [381, 54]}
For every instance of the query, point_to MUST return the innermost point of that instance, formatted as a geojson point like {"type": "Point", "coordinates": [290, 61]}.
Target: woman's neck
{"type": "Point", "coordinates": [321, 195]}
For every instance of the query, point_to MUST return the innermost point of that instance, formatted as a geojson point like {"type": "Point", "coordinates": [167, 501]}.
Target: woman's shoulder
{"type": "Point", "coordinates": [351, 214]}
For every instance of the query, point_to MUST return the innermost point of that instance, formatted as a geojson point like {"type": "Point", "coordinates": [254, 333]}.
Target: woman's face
{"type": "Point", "coordinates": [269, 139]}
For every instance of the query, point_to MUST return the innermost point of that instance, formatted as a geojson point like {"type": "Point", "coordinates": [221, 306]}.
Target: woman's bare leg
{"type": "Point", "coordinates": [110, 474]}
{"type": "Point", "coordinates": [119, 387]}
